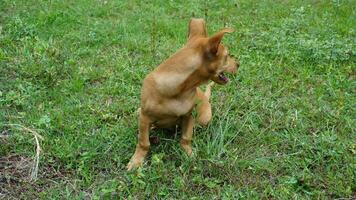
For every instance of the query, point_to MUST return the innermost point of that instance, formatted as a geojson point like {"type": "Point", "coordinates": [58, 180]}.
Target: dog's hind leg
{"type": "Point", "coordinates": [204, 107]}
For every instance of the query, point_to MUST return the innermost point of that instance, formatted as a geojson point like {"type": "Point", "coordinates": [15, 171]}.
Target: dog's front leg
{"type": "Point", "coordinates": [143, 143]}
{"type": "Point", "coordinates": [187, 133]}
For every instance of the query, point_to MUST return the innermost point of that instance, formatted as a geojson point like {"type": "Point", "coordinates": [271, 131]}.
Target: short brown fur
{"type": "Point", "coordinates": [170, 92]}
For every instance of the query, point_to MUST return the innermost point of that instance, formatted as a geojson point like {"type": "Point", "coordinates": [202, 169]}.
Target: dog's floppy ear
{"type": "Point", "coordinates": [214, 41]}
{"type": "Point", "coordinates": [196, 28]}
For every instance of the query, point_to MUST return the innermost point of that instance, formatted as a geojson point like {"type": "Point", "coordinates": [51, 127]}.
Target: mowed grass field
{"type": "Point", "coordinates": [283, 128]}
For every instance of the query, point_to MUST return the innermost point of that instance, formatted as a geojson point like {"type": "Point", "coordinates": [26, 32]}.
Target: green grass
{"type": "Point", "coordinates": [283, 128]}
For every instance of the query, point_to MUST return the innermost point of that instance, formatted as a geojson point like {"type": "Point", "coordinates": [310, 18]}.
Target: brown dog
{"type": "Point", "coordinates": [170, 92]}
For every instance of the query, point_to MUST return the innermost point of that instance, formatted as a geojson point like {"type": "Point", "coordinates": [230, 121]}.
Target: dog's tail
{"type": "Point", "coordinates": [207, 92]}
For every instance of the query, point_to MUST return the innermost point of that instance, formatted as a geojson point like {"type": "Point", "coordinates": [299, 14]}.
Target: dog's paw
{"type": "Point", "coordinates": [134, 163]}
{"type": "Point", "coordinates": [187, 149]}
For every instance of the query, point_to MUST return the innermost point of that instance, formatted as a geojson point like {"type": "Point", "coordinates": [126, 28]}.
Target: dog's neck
{"type": "Point", "coordinates": [181, 73]}
{"type": "Point", "coordinates": [193, 81]}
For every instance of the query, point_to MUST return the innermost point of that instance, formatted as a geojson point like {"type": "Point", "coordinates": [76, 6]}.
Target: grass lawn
{"type": "Point", "coordinates": [284, 127]}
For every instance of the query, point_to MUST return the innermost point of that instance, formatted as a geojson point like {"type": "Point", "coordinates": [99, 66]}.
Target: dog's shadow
{"type": "Point", "coordinates": [166, 141]}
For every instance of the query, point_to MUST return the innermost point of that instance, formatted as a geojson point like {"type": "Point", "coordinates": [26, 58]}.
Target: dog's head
{"type": "Point", "coordinates": [216, 58]}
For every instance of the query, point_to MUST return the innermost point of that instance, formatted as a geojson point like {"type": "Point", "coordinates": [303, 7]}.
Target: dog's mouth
{"type": "Point", "coordinates": [222, 77]}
